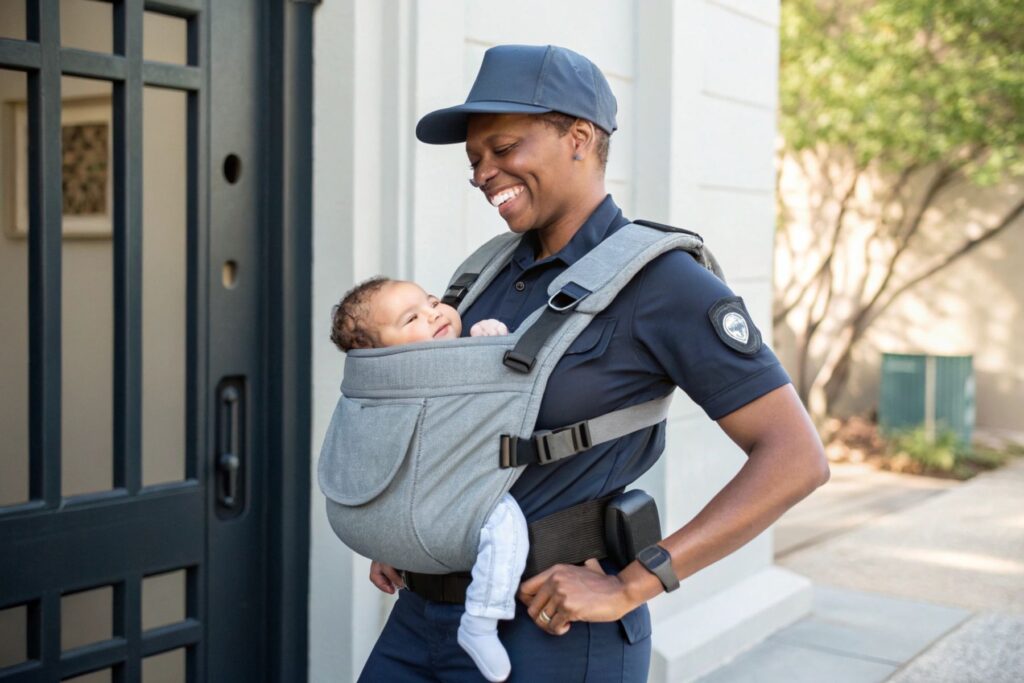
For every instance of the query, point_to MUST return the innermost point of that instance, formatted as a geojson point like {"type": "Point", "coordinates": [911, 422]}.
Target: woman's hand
{"type": "Point", "coordinates": [566, 593]}
{"type": "Point", "coordinates": [385, 577]}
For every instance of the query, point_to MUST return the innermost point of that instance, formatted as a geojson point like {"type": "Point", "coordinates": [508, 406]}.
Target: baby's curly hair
{"type": "Point", "coordinates": [349, 324]}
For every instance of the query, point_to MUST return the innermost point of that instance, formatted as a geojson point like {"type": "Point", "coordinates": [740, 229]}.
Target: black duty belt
{"type": "Point", "coordinates": [570, 536]}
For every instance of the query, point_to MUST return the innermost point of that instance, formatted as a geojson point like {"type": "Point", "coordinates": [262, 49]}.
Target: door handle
{"type": "Point", "coordinates": [230, 457]}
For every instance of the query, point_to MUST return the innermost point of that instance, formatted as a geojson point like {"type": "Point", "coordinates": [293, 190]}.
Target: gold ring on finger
{"type": "Point", "coordinates": [544, 617]}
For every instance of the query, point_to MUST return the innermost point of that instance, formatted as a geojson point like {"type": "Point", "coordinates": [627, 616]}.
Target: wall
{"type": "Point", "coordinates": [973, 307]}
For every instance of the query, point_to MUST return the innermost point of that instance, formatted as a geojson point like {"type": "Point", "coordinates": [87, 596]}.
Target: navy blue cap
{"type": "Point", "coordinates": [527, 79]}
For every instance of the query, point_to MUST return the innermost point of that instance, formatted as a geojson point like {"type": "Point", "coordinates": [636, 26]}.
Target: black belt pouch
{"type": "Point", "coordinates": [631, 523]}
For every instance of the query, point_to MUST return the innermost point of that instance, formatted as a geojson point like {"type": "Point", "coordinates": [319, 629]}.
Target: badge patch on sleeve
{"type": "Point", "coordinates": [733, 325]}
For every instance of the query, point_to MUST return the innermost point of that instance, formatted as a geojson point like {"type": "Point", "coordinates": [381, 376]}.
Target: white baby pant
{"type": "Point", "coordinates": [500, 561]}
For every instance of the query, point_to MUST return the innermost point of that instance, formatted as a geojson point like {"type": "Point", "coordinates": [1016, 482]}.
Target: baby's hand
{"type": "Point", "coordinates": [488, 328]}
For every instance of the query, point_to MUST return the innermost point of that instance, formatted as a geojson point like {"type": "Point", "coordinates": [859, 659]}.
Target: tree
{"type": "Point", "coordinates": [889, 107]}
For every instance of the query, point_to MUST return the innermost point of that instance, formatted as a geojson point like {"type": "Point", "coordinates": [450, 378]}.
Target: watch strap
{"type": "Point", "coordinates": [658, 561]}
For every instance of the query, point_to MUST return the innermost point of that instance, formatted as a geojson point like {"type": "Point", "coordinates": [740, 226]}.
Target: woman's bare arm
{"type": "Point", "coordinates": [785, 463]}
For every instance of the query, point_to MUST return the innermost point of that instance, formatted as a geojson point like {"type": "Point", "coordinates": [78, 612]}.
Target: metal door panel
{"type": "Point", "coordinates": [245, 392]}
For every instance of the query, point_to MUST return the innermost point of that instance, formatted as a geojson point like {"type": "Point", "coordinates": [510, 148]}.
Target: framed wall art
{"type": "Point", "coordinates": [87, 168]}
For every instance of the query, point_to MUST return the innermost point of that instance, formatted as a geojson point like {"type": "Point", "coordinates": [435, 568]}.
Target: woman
{"type": "Point", "coordinates": [536, 127]}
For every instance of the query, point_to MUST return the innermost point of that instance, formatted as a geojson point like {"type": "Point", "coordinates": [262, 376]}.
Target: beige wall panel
{"type": "Point", "coordinates": [973, 307]}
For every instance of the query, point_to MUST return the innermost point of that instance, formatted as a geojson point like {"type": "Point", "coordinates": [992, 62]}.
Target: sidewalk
{"type": "Point", "coordinates": [916, 580]}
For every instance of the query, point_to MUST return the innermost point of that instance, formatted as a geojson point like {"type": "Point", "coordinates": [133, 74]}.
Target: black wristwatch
{"type": "Point", "coordinates": [658, 561]}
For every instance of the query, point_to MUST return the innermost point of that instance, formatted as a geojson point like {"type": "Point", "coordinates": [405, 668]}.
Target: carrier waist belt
{"type": "Point", "coordinates": [569, 536]}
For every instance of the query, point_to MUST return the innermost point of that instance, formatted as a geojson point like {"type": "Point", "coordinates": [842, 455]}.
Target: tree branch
{"type": "Point", "coordinates": [869, 313]}
{"type": "Point", "coordinates": [826, 263]}
{"type": "Point", "coordinates": [964, 249]}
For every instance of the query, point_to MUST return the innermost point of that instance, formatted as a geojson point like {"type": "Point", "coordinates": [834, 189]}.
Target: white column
{"type": "Point", "coordinates": [361, 206]}
{"type": "Point", "coordinates": [706, 82]}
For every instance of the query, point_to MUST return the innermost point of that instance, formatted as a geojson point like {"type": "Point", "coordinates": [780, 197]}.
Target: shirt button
{"type": "Point", "coordinates": [520, 286]}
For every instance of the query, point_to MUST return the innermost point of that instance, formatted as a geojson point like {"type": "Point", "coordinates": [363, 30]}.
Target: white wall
{"type": "Point", "coordinates": [696, 83]}
{"type": "Point", "coordinates": [706, 137]}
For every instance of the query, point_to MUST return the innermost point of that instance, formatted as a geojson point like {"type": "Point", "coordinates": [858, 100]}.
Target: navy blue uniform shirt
{"type": "Point", "coordinates": [654, 336]}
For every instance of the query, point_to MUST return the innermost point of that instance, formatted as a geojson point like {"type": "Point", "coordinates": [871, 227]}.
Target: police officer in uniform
{"type": "Point", "coordinates": [536, 126]}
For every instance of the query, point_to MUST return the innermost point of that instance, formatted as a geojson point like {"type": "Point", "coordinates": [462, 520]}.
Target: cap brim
{"type": "Point", "coordinates": [446, 126]}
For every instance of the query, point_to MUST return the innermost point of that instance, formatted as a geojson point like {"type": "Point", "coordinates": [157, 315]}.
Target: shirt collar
{"type": "Point", "coordinates": [605, 220]}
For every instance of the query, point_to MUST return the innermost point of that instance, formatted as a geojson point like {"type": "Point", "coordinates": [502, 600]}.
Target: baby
{"type": "Point", "coordinates": [382, 312]}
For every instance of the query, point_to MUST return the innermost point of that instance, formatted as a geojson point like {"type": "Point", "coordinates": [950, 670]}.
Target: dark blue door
{"type": "Point", "coordinates": [148, 520]}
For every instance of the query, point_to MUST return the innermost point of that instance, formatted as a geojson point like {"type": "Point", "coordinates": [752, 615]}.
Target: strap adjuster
{"type": "Point", "coordinates": [507, 452]}
{"type": "Point", "coordinates": [518, 361]}
{"type": "Point", "coordinates": [568, 297]}
{"type": "Point", "coordinates": [454, 295]}
{"type": "Point", "coordinates": [561, 443]}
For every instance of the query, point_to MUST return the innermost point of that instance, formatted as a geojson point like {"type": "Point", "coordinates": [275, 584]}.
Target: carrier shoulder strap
{"type": "Point", "coordinates": [588, 287]}
{"type": "Point", "coordinates": [703, 255]}
{"type": "Point", "coordinates": [477, 271]}
{"type": "Point", "coordinates": [591, 283]}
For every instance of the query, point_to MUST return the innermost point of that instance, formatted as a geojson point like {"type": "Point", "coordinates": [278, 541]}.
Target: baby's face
{"type": "Point", "coordinates": [402, 313]}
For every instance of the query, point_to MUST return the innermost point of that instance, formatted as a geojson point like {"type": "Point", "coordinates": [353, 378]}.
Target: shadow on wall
{"type": "Point", "coordinates": [972, 307]}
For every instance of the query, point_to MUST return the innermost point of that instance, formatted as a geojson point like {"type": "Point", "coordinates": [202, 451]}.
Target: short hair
{"type": "Point", "coordinates": [350, 324]}
{"type": "Point", "coordinates": [563, 122]}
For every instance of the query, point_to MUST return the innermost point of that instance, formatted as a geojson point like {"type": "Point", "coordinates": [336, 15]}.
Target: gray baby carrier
{"type": "Point", "coordinates": [427, 437]}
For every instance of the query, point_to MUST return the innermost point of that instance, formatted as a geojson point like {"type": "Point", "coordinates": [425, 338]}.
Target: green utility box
{"type": "Point", "coordinates": [934, 392]}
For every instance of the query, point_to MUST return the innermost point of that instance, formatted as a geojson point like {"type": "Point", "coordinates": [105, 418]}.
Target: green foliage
{"type": "Point", "coordinates": [906, 83]}
{"type": "Point", "coordinates": [939, 453]}
{"type": "Point", "coordinates": [945, 454]}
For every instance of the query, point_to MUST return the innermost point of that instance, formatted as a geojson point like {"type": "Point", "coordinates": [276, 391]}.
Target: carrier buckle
{"type": "Point", "coordinates": [457, 292]}
{"type": "Point", "coordinates": [560, 443]}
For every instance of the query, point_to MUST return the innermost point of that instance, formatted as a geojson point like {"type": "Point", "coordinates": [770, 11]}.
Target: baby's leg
{"type": "Point", "coordinates": [500, 560]}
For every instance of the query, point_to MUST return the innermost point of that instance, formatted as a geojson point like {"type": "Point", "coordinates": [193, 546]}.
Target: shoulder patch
{"type": "Point", "coordinates": [733, 325]}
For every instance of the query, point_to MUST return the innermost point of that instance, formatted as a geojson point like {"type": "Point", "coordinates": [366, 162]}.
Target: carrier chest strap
{"type": "Point", "coordinates": [547, 446]}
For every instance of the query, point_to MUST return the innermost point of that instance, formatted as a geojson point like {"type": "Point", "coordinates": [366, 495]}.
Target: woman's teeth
{"type": "Point", "coordinates": [499, 199]}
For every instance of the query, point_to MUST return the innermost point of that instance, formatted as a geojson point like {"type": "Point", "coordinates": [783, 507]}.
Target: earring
{"type": "Point", "coordinates": [577, 157]}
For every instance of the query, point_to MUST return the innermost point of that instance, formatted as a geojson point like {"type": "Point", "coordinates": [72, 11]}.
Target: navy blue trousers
{"type": "Point", "coordinates": [419, 644]}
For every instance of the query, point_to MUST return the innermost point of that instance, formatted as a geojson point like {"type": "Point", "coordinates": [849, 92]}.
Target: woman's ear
{"type": "Point", "coordinates": [583, 136]}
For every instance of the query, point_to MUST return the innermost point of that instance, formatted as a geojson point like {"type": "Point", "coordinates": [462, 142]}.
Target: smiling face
{"type": "Point", "coordinates": [524, 167]}
{"type": "Point", "coordinates": [402, 313]}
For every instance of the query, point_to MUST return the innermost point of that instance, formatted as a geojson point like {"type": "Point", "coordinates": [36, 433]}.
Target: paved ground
{"type": "Point", "coordinates": [917, 580]}
{"type": "Point", "coordinates": [854, 496]}
{"type": "Point", "coordinates": [963, 547]}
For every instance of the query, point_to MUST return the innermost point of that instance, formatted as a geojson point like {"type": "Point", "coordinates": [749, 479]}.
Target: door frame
{"type": "Point", "coordinates": [289, 336]}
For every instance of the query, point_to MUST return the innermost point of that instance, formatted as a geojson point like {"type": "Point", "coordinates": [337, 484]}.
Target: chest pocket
{"type": "Point", "coordinates": [593, 340]}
